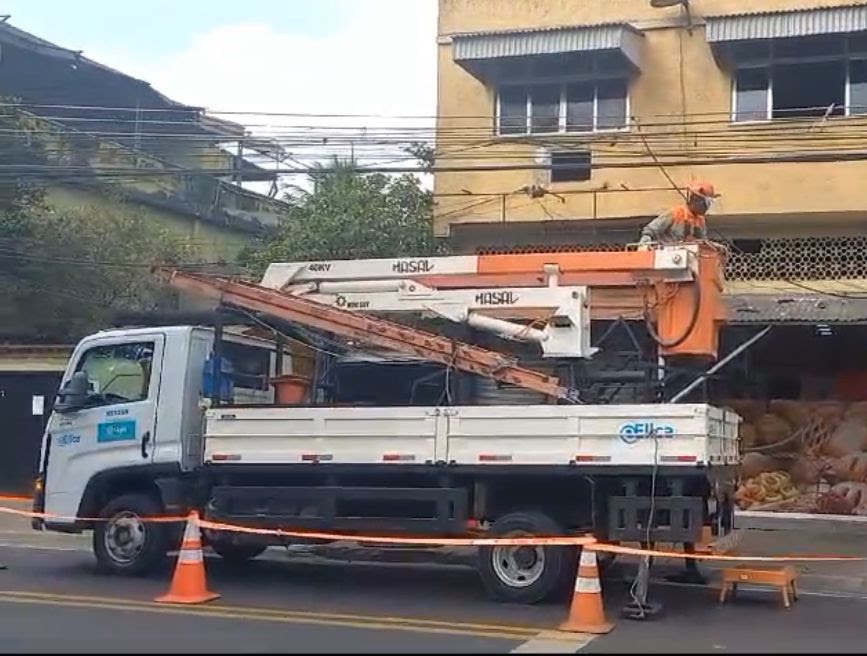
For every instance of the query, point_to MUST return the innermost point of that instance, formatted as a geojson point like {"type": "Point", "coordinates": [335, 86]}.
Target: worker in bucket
{"type": "Point", "coordinates": [685, 222]}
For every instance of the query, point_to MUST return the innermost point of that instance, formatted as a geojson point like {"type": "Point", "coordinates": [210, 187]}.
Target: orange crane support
{"type": "Point", "coordinates": [688, 314]}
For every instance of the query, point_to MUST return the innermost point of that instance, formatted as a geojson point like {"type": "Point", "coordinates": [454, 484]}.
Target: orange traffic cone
{"type": "Point", "coordinates": [587, 614]}
{"type": "Point", "coordinates": [188, 584]}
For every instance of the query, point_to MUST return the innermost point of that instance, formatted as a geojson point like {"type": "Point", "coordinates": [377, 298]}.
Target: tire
{"type": "Point", "coordinates": [514, 574]}
{"type": "Point", "coordinates": [237, 554]}
{"type": "Point", "coordinates": [605, 561]}
{"type": "Point", "coordinates": [130, 548]}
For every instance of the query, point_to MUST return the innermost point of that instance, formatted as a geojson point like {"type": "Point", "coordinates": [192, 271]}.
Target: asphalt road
{"type": "Point", "coordinates": [306, 605]}
{"type": "Point", "coordinates": [51, 599]}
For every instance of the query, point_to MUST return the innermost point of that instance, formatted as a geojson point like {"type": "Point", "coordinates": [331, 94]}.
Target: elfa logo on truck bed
{"type": "Point", "coordinates": [633, 431]}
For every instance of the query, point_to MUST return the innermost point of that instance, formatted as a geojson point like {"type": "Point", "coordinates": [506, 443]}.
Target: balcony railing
{"type": "Point", "coordinates": [79, 157]}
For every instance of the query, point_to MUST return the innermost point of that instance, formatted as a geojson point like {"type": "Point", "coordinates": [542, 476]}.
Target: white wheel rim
{"type": "Point", "coordinates": [125, 537]}
{"type": "Point", "coordinates": [518, 567]}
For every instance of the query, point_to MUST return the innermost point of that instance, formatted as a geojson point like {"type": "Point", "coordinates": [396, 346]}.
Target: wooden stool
{"type": "Point", "coordinates": [782, 578]}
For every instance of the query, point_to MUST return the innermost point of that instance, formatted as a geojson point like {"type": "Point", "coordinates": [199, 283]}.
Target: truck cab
{"type": "Point", "coordinates": [139, 414]}
{"type": "Point", "coordinates": [133, 435]}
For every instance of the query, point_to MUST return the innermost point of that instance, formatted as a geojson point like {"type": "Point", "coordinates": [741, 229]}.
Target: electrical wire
{"type": "Point", "coordinates": [13, 255]}
{"type": "Point", "coordinates": [290, 338]}
{"type": "Point", "coordinates": [214, 112]}
{"type": "Point", "coordinates": [57, 171]}
{"type": "Point", "coordinates": [693, 320]}
{"type": "Point", "coordinates": [441, 132]}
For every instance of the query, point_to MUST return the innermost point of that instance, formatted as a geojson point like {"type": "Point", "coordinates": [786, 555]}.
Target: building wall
{"type": "Point", "coordinates": [758, 198]}
{"type": "Point", "coordinates": [211, 241]}
{"type": "Point", "coordinates": [174, 200]}
{"type": "Point", "coordinates": [22, 434]}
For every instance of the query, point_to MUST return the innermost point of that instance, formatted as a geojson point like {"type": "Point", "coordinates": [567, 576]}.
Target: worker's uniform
{"type": "Point", "coordinates": [677, 225]}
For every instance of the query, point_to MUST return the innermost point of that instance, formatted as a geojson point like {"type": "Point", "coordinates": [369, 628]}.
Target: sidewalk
{"type": "Point", "coordinates": [767, 534]}
{"type": "Point", "coordinates": [774, 534]}
{"type": "Point", "coordinates": [16, 531]}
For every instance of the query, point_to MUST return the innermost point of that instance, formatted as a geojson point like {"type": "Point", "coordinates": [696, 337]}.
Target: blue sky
{"type": "Point", "coordinates": [375, 58]}
{"type": "Point", "coordinates": [166, 25]}
{"type": "Point", "coordinates": [317, 56]}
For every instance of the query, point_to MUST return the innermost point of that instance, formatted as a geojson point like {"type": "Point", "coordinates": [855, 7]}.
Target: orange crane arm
{"type": "Point", "coordinates": [676, 289]}
{"type": "Point", "coordinates": [370, 330]}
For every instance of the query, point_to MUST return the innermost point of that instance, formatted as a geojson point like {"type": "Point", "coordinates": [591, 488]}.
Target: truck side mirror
{"type": "Point", "coordinates": [73, 395]}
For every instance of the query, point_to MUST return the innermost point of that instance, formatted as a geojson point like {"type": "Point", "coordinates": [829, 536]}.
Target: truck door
{"type": "Point", "coordinates": [117, 425]}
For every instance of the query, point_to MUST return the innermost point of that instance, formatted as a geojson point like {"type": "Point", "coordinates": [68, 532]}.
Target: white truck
{"type": "Point", "coordinates": [141, 428]}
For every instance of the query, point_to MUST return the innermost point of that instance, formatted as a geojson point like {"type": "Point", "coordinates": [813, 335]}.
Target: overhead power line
{"type": "Point", "coordinates": [205, 113]}
{"type": "Point", "coordinates": [46, 170]}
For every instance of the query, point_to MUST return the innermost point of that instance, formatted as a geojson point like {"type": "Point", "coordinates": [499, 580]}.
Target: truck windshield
{"type": "Point", "coordinates": [118, 373]}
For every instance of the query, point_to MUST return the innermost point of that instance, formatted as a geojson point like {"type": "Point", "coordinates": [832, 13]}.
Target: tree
{"type": "Point", "coordinates": [64, 273]}
{"type": "Point", "coordinates": [19, 151]}
{"type": "Point", "coordinates": [424, 153]}
{"type": "Point", "coordinates": [350, 214]}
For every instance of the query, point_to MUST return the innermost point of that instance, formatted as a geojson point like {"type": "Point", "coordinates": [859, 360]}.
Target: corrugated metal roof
{"type": "Point", "coordinates": [782, 24]}
{"type": "Point", "coordinates": [804, 309]}
{"type": "Point", "coordinates": [546, 29]}
{"type": "Point", "coordinates": [523, 43]}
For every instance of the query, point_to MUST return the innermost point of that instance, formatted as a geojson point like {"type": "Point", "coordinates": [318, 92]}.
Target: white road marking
{"type": "Point", "coordinates": [555, 642]}
{"type": "Point", "coordinates": [40, 547]}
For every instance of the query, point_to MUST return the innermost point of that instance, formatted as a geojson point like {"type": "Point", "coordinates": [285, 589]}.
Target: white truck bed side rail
{"type": "Point", "coordinates": [604, 435]}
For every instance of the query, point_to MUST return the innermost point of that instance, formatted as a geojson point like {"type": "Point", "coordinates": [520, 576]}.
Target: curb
{"type": "Point", "coordinates": [772, 521]}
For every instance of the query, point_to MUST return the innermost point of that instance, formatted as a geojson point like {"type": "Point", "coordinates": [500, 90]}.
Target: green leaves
{"type": "Point", "coordinates": [349, 214]}
{"type": "Point", "coordinates": [64, 272]}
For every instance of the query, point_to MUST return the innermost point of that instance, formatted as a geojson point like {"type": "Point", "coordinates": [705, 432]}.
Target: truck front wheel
{"type": "Point", "coordinates": [123, 542]}
{"type": "Point", "coordinates": [526, 574]}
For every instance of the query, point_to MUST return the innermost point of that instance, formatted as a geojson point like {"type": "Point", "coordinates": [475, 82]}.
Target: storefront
{"type": "Point", "coordinates": [802, 393]}
{"type": "Point", "coordinates": [29, 377]}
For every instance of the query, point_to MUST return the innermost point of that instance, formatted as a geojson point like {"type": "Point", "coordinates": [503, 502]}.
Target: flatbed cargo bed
{"type": "Point", "coordinates": [687, 435]}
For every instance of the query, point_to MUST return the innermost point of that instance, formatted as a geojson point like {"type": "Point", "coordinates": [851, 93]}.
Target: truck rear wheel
{"type": "Point", "coordinates": [236, 553]}
{"type": "Point", "coordinates": [526, 574]}
{"type": "Point", "coordinates": [124, 543]}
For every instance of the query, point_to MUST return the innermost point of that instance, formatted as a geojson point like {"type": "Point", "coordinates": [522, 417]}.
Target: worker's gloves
{"type": "Point", "coordinates": [644, 243]}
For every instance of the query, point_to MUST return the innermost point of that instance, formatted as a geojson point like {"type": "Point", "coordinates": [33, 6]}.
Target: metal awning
{"type": "Point", "coordinates": [785, 24]}
{"type": "Point", "coordinates": [796, 309]}
{"type": "Point", "coordinates": [478, 46]}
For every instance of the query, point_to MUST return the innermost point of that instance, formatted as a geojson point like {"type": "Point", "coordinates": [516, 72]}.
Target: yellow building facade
{"type": "Point", "coordinates": [574, 121]}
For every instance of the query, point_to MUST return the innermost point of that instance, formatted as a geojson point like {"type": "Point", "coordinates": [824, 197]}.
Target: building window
{"type": "Point", "coordinates": [545, 109]}
{"type": "Point", "coordinates": [571, 107]}
{"type": "Point", "coordinates": [858, 86]}
{"type": "Point", "coordinates": [251, 365]}
{"type": "Point", "coordinates": [513, 111]}
{"type": "Point", "coordinates": [752, 98]}
{"type": "Point", "coordinates": [571, 166]}
{"type": "Point", "coordinates": [811, 77]}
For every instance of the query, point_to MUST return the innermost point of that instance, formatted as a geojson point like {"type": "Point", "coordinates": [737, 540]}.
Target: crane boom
{"type": "Point", "coordinates": [367, 329]}
{"type": "Point", "coordinates": [677, 288]}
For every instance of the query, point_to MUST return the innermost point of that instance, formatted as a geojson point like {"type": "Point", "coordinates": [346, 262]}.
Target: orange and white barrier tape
{"type": "Point", "coordinates": [15, 497]}
{"type": "Point", "coordinates": [562, 541]}
{"type": "Point", "coordinates": [658, 553]}
{"type": "Point", "coordinates": [553, 541]}
{"type": "Point", "coordinates": [167, 519]}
